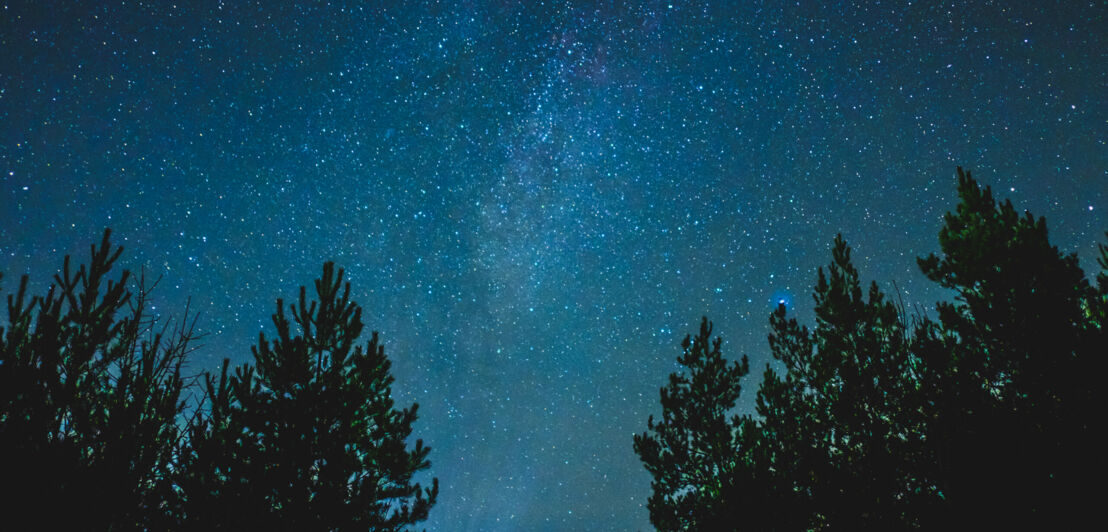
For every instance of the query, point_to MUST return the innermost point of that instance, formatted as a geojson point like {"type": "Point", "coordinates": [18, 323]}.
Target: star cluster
{"type": "Point", "coordinates": [536, 202]}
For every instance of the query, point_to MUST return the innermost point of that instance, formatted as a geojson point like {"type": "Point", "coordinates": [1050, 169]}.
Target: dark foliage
{"type": "Point", "coordinates": [89, 397]}
{"type": "Point", "coordinates": [308, 439]}
{"type": "Point", "coordinates": [690, 449]}
{"type": "Point", "coordinates": [984, 419]}
{"type": "Point", "coordinates": [845, 417]}
{"type": "Point", "coordinates": [95, 433]}
{"type": "Point", "coordinates": [1011, 369]}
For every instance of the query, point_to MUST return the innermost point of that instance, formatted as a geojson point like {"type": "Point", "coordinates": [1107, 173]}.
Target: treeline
{"type": "Point", "coordinates": [984, 417]}
{"type": "Point", "coordinates": [987, 417]}
{"type": "Point", "coordinates": [100, 429]}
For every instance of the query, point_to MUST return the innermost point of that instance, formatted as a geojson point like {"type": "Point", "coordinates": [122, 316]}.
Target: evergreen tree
{"type": "Point", "coordinates": [690, 450]}
{"type": "Point", "coordinates": [845, 417]}
{"type": "Point", "coordinates": [987, 418]}
{"type": "Point", "coordinates": [90, 393]}
{"type": "Point", "coordinates": [836, 436]}
{"type": "Point", "coordinates": [1012, 370]}
{"type": "Point", "coordinates": [308, 439]}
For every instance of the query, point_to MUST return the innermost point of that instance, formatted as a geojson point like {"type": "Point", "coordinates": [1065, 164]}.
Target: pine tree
{"type": "Point", "coordinates": [987, 418]}
{"type": "Point", "coordinates": [309, 438]}
{"type": "Point", "coordinates": [845, 416]}
{"type": "Point", "coordinates": [90, 394]}
{"type": "Point", "coordinates": [690, 450]}
{"type": "Point", "coordinates": [836, 436]}
{"type": "Point", "coordinates": [1012, 369]}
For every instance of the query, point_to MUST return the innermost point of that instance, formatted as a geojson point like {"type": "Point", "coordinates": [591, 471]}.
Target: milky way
{"type": "Point", "coordinates": [536, 204]}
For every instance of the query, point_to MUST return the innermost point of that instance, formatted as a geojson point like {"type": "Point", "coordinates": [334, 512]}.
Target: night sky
{"type": "Point", "coordinates": [535, 204]}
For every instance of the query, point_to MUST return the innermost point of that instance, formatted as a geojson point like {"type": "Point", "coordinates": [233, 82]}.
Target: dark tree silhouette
{"type": "Point", "coordinates": [1014, 370]}
{"type": "Point", "coordinates": [845, 417]}
{"type": "Point", "coordinates": [90, 393]}
{"type": "Point", "coordinates": [691, 448]}
{"type": "Point", "coordinates": [988, 418]}
{"type": "Point", "coordinates": [309, 439]}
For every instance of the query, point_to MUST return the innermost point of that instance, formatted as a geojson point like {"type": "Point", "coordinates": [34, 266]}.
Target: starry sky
{"type": "Point", "coordinates": [535, 202]}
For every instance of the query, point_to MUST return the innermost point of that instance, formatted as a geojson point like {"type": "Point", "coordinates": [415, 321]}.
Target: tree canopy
{"type": "Point", "coordinates": [94, 419]}
{"type": "Point", "coordinates": [90, 393]}
{"type": "Point", "coordinates": [308, 438]}
{"type": "Point", "coordinates": [875, 420]}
